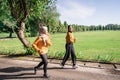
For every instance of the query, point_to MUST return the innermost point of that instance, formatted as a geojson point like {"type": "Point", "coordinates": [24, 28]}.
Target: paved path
{"type": "Point", "coordinates": [14, 69]}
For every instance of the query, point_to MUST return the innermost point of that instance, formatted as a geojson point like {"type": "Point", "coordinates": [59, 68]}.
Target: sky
{"type": "Point", "coordinates": [89, 12]}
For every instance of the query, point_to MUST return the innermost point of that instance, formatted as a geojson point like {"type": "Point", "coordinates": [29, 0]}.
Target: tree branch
{"type": "Point", "coordinates": [13, 10]}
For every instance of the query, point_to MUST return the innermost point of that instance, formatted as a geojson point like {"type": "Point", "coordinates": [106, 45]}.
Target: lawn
{"type": "Point", "coordinates": [94, 46]}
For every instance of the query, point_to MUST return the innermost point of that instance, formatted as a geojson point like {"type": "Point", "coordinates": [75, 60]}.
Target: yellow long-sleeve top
{"type": "Point", "coordinates": [39, 45]}
{"type": "Point", "coordinates": [70, 38]}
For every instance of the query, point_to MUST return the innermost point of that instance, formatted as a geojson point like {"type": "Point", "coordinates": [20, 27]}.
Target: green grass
{"type": "Point", "coordinates": [96, 46]}
{"type": "Point", "coordinates": [4, 35]}
{"type": "Point", "coordinates": [11, 46]}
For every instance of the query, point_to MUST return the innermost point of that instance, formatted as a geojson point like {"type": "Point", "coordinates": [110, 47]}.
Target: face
{"type": "Point", "coordinates": [70, 29]}
{"type": "Point", "coordinates": [43, 31]}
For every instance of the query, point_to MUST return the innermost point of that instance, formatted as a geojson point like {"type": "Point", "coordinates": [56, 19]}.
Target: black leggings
{"type": "Point", "coordinates": [44, 61]}
{"type": "Point", "coordinates": [69, 50]}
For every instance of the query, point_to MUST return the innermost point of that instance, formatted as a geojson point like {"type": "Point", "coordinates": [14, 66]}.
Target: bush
{"type": "Point", "coordinates": [30, 51]}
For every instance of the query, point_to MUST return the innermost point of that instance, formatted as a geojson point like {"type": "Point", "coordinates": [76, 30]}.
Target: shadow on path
{"type": "Point", "coordinates": [13, 73]}
{"type": "Point", "coordinates": [18, 72]}
{"type": "Point", "coordinates": [14, 69]}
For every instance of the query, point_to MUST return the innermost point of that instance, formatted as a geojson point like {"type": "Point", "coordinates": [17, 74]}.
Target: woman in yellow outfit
{"type": "Point", "coordinates": [41, 45]}
{"type": "Point", "coordinates": [69, 47]}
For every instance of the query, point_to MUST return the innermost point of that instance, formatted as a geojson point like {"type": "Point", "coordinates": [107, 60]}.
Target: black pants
{"type": "Point", "coordinates": [44, 62]}
{"type": "Point", "coordinates": [69, 50]}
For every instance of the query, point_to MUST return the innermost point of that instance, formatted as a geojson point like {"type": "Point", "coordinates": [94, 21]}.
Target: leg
{"type": "Point", "coordinates": [44, 58]}
{"type": "Point", "coordinates": [73, 55]}
{"type": "Point", "coordinates": [40, 64]}
{"type": "Point", "coordinates": [66, 55]}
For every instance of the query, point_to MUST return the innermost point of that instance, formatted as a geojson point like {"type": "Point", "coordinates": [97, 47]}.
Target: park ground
{"type": "Point", "coordinates": [90, 46]}
{"type": "Point", "coordinates": [21, 68]}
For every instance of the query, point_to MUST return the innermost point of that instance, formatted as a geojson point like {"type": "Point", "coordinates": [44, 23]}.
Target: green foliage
{"type": "Point", "coordinates": [30, 51]}
{"type": "Point", "coordinates": [37, 11]}
{"type": "Point", "coordinates": [6, 19]}
{"type": "Point", "coordinates": [80, 56]}
{"type": "Point", "coordinates": [56, 54]}
{"type": "Point", "coordinates": [59, 54]}
{"type": "Point", "coordinates": [105, 58]}
{"type": "Point", "coordinates": [43, 12]}
{"type": "Point", "coordinates": [32, 26]}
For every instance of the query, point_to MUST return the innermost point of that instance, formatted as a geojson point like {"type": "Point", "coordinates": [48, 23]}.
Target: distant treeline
{"type": "Point", "coordinates": [95, 28]}
{"type": "Point", "coordinates": [61, 28]}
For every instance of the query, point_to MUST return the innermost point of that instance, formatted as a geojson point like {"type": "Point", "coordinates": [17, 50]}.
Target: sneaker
{"type": "Point", "coordinates": [46, 76]}
{"type": "Point", "coordinates": [62, 66]}
{"type": "Point", "coordinates": [35, 70]}
{"type": "Point", "coordinates": [74, 67]}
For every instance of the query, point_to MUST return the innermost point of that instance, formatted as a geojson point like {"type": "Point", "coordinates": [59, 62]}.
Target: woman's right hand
{"type": "Point", "coordinates": [74, 39]}
{"type": "Point", "coordinates": [39, 51]}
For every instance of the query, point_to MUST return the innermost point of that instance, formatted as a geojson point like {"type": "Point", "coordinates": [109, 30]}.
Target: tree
{"type": "Point", "coordinates": [21, 10]}
{"type": "Point", "coordinates": [6, 18]}
{"type": "Point", "coordinates": [10, 27]}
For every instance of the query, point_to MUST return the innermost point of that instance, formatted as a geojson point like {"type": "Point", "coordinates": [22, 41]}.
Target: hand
{"type": "Point", "coordinates": [75, 40]}
{"type": "Point", "coordinates": [39, 51]}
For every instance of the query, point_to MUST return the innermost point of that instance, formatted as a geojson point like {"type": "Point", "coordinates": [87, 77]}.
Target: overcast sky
{"type": "Point", "coordinates": [89, 12]}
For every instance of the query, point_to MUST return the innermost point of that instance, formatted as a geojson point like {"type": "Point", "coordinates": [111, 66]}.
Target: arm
{"type": "Point", "coordinates": [35, 44]}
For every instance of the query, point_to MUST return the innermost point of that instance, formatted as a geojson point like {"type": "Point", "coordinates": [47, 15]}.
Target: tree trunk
{"type": "Point", "coordinates": [10, 35]}
{"type": "Point", "coordinates": [19, 12]}
{"type": "Point", "coordinates": [11, 31]}
{"type": "Point", "coordinates": [20, 34]}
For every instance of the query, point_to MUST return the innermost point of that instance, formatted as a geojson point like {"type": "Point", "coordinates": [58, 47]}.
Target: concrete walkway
{"type": "Point", "coordinates": [115, 66]}
{"type": "Point", "coordinates": [21, 68]}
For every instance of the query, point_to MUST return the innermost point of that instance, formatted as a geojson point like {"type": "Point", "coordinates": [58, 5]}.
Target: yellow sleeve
{"type": "Point", "coordinates": [35, 44]}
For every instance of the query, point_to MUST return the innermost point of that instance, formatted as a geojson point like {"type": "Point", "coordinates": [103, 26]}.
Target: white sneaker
{"type": "Point", "coordinates": [75, 66]}
{"type": "Point", "coordinates": [62, 66]}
